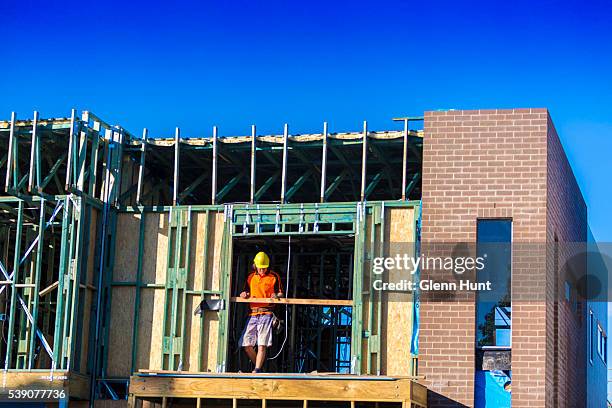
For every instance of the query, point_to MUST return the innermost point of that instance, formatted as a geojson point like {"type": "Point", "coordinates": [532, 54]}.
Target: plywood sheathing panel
{"type": "Point", "coordinates": [154, 264]}
{"type": "Point", "coordinates": [151, 307]}
{"type": "Point", "coordinates": [126, 247]}
{"type": "Point", "coordinates": [397, 306]}
{"type": "Point", "coordinates": [123, 297]}
{"type": "Point", "coordinates": [120, 336]}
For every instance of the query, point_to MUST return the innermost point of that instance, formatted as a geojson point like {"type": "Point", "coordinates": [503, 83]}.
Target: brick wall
{"type": "Point", "coordinates": [566, 225]}
{"type": "Point", "coordinates": [479, 164]}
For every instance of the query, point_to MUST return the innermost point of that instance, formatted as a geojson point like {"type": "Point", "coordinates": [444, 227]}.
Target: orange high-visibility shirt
{"type": "Point", "coordinates": [263, 287]}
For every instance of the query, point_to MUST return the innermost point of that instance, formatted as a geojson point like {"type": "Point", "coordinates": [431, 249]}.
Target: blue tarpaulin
{"type": "Point", "coordinates": [493, 389]}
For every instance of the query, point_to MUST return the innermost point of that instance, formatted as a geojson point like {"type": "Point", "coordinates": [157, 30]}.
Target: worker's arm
{"type": "Point", "coordinates": [278, 288]}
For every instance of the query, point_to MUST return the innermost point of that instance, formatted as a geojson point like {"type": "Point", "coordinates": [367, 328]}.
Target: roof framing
{"type": "Point", "coordinates": [62, 155]}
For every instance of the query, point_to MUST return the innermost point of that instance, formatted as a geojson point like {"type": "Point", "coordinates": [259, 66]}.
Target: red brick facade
{"type": "Point", "coordinates": [496, 164]}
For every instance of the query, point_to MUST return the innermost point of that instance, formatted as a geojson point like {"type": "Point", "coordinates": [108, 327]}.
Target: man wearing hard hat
{"type": "Point", "coordinates": [261, 283]}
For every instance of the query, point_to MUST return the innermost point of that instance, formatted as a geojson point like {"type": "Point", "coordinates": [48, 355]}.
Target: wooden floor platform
{"type": "Point", "coordinates": [200, 388]}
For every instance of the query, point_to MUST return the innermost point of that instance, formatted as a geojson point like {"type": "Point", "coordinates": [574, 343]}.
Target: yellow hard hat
{"type": "Point", "coordinates": [261, 260]}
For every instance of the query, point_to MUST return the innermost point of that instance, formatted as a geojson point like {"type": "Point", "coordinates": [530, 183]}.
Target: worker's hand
{"type": "Point", "coordinates": [244, 295]}
{"type": "Point", "coordinates": [279, 295]}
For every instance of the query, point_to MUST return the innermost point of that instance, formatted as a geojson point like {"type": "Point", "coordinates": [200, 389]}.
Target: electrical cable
{"type": "Point", "coordinates": [286, 306]}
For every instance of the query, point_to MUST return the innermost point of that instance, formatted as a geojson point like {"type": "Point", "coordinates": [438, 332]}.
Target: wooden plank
{"type": "Point", "coordinates": [48, 289]}
{"type": "Point", "coordinates": [418, 393]}
{"type": "Point", "coordinates": [295, 301]}
{"type": "Point", "coordinates": [272, 389]}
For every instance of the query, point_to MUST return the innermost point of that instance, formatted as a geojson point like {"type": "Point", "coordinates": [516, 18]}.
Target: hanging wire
{"type": "Point", "coordinates": [286, 305]}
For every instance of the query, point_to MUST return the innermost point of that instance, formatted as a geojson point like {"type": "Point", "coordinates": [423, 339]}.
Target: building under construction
{"type": "Point", "coordinates": [123, 256]}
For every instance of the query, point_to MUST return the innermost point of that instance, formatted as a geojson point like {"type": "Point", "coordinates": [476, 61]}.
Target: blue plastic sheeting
{"type": "Point", "coordinates": [492, 389]}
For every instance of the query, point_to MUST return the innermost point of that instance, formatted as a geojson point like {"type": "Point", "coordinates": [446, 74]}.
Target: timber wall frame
{"type": "Point", "coordinates": [60, 185]}
{"type": "Point", "coordinates": [91, 172]}
{"type": "Point", "coordinates": [373, 225]}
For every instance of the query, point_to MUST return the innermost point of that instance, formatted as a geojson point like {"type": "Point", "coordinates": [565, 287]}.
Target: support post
{"type": "Point", "coordinates": [175, 187]}
{"type": "Point", "coordinates": [70, 149]}
{"type": "Point", "coordinates": [80, 164]}
{"type": "Point", "coordinates": [143, 152]}
{"type": "Point", "coordinates": [364, 155]}
{"type": "Point", "coordinates": [11, 153]}
{"type": "Point", "coordinates": [284, 169]}
{"type": "Point", "coordinates": [253, 161]}
{"type": "Point", "coordinates": [93, 164]}
{"type": "Point", "coordinates": [213, 198]}
{"type": "Point", "coordinates": [324, 162]}
{"type": "Point", "coordinates": [34, 156]}
{"type": "Point", "coordinates": [404, 159]}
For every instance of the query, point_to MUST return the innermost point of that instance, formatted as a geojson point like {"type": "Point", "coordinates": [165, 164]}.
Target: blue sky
{"type": "Point", "coordinates": [199, 64]}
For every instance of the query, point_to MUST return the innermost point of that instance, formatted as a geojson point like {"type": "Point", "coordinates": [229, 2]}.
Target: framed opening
{"type": "Point", "coordinates": [314, 335]}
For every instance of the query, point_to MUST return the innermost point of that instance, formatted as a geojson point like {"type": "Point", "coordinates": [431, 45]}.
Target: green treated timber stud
{"type": "Point", "coordinates": [15, 167]}
{"type": "Point", "coordinates": [13, 304]}
{"type": "Point", "coordinates": [37, 163]}
{"type": "Point", "coordinates": [118, 166]}
{"type": "Point", "coordinates": [39, 255]}
{"type": "Point", "coordinates": [357, 317]}
{"type": "Point", "coordinates": [177, 279]}
{"type": "Point", "coordinates": [173, 275]}
{"type": "Point", "coordinates": [78, 219]}
{"type": "Point", "coordinates": [49, 272]}
{"type": "Point", "coordinates": [24, 324]}
{"type": "Point", "coordinates": [225, 263]}
{"type": "Point", "coordinates": [381, 253]}
{"type": "Point", "coordinates": [203, 288]}
{"type": "Point", "coordinates": [370, 256]}
{"type": "Point", "coordinates": [58, 339]}
{"type": "Point", "coordinates": [169, 262]}
{"type": "Point", "coordinates": [93, 169]}
{"type": "Point", "coordinates": [82, 158]}
{"type": "Point", "coordinates": [185, 269]}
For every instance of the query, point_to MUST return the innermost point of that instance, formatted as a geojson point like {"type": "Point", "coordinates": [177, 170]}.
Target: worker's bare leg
{"type": "Point", "coordinates": [250, 352]}
{"type": "Point", "coordinates": [261, 357]}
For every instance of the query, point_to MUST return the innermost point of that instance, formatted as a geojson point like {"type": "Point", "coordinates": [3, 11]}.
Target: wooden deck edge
{"type": "Point", "coordinates": [371, 390]}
